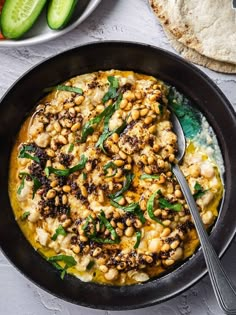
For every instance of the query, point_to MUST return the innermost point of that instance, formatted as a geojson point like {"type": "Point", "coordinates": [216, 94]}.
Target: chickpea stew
{"type": "Point", "coordinates": [91, 184]}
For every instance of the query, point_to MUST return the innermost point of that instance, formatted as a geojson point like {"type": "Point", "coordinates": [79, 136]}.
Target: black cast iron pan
{"type": "Point", "coordinates": [22, 97]}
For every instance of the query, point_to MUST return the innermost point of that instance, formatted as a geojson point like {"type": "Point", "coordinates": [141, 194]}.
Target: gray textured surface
{"type": "Point", "coordinates": [113, 19]}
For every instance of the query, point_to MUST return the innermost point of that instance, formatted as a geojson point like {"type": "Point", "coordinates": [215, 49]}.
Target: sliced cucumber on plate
{"type": "Point", "coordinates": [59, 13]}
{"type": "Point", "coordinates": [18, 16]}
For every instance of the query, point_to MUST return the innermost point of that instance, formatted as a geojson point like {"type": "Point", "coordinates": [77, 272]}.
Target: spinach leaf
{"type": "Point", "coordinates": [163, 203]}
{"type": "Point", "coordinates": [36, 183]}
{"type": "Point", "coordinates": [150, 207]}
{"type": "Point", "coordinates": [112, 91]}
{"type": "Point", "coordinates": [147, 176]}
{"type": "Point", "coordinates": [49, 170]}
{"type": "Point", "coordinates": [59, 231]}
{"type": "Point", "coordinates": [71, 147]}
{"type": "Point", "coordinates": [106, 133]}
{"type": "Point", "coordinates": [64, 88]}
{"type": "Point", "coordinates": [110, 165]}
{"type": "Point", "coordinates": [126, 185]}
{"type": "Point", "coordinates": [138, 235]}
{"type": "Point", "coordinates": [25, 215]}
{"type": "Point", "coordinates": [68, 260]}
{"type": "Point", "coordinates": [199, 191]}
{"type": "Point", "coordinates": [23, 153]}
{"type": "Point", "coordinates": [132, 207]}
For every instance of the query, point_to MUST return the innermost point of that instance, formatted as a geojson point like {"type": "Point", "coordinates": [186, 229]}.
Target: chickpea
{"type": "Point", "coordinates": [57, 126]}
{"type": "Point", "coordinates": [66, 188]}
{"type": "Point", "coordinates": [165, 247]}
{"type": "Point", "coordinates": [147, 170]}
{"type": "Point", "coordinates": [76, 126]}
{"type": "Point", "coordinates": [51, 194]}
{"type": "Point", "coordinates": [64, 199]}
{"type": "Point", "coordinates": [123, 103]}
{"type": "Point", "coordinates": [84, 191]}
{"type": "Point", "coordinates": [165, 232]}
{"type": "Point", "coordinates": [169, 262]}
{"type": "Point", "coordinates": [129, 231]}
{"type": "Point", "coordinates": [66, 223]}
{"type": "Point", "coordinates": [119, 163]}
{"type": "Point", "coordinates": [177, 254]}
{"type": "Point", "coordinates": [143, 205]}
{"type": "Point", "coordinates": [144, 112]}
{"type": "Point", "coordinates": [151, 160]}
{"type": "Point", "coordinates": [155, 245]}
{"type": "Point", "coordinates": [62, 139]}
{"type": "Point", "coordinates": [122, 155]}
{"type": "Point", "coordinates": [115, 137]}
{"type": "Point", "coordinates": [194, 170]}
{"type": "Point", "coordinates": [148, 120]}
{"type": "Point", "coordinates": [97, 251]}
{"type": "Point", "coordinates": [153, 129]}
{"type": "Point", "coordinates": [129, 95]}
{"type": "Point", "coordinates": [174, 244]}
{"type": "Point", "coordinates": [79, 99]}
{"type": "Point", "coordinates": [178, 193]}
{"type": "Point", "coordinates": [207, 218]}
{"type": "Point", "coordinates": [76, 249]}
{"type": "Point", "coordinates": [103, 268]}
{"type": "Point", "coordinates": [112, 274]}
{"type": "Point", "coordinates": [68, 105]}
{"type": "Point", "coordinates": [135, 114]}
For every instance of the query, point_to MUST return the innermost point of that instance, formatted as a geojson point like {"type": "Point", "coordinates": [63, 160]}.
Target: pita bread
{"type": "Point", "coordinates": [193, 56]}
{"type": "Point", "coordinates": [208, 26]}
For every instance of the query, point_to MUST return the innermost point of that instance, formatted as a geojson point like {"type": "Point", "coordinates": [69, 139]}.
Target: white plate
{"type": "Point", "coordinates": [41, 32]}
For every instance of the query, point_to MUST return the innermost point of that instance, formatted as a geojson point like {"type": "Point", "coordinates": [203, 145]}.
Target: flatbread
{"type": "Point", "coordinates": [193, 56]}
{"type": "Point", "coordinates": [208, 26]}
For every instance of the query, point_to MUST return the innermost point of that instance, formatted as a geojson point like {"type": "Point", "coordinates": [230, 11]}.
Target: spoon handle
{"type": "Point", "coordinates": [223, 288]}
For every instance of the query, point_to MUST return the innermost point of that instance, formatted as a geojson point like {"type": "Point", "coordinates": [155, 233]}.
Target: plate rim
{"type": "Point", "coordinates": [199, 251]}
{"type": "Point", "coordinates": [44, 37]}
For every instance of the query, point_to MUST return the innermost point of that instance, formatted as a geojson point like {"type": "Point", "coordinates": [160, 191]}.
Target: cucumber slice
{"type": "Point", "coordinates": [59, 13]}
{"type": "Point", "coordinates": [18, 16]}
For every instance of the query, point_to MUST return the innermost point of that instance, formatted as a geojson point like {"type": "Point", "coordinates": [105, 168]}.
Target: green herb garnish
{"type": "Point", "coordinates": [88, 127]}
{"type": "Point", "coordinates": [110, 165]}
{"type": "Point", "coordinates": [69, 262]}
{"type": "Point", "coordinates": [23, 153]}
{"type": "Point", "coordinates": [163, 203]}
{"type": "Point", "coordinates": [112, 91]}
{"type": "Point", "coordinates": [107, 113]}
{"type": "Point", "coordinates": [84, 176]}
{"type": "Point", "coordinates": [127, 183]}
{"type": "Point", "coordinates": [132, 207]}
{"type": "Point", "coordinates": [199, 191]}
{"type": "Point", "coordinates": [36, 183]}
{"type": "Point", "coordinates": [25, 215]}
{"type": "Point", "coordinates": [85, 226]}
{"type": "Point", "coordinates": [90, 265]}
{"type": "Point", "coordinates": [64, 88]}
{"type": "Point", "coordinates": [138, 235]}
{"type": "Point", "coordinates": [189, 117]}
{"type": "Point", "coordinates": [71, 147]}
{"type": "Point", "coordinates": [93, 236]}
{"type": "Point", "coordinates": [147, 176]}
{"type": "Point", "coordinates": [106, 133]}
{"type": "Point", "coordinates": [59, 231]}
{"type": "Point", "coordinates": [108, 225]}
{"type": "Point", "coordinates": [49, 170]}
{"type": "Point", "coordinates": [150, 207]}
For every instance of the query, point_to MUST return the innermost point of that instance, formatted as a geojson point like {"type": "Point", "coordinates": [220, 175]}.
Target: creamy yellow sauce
{"type": "Point", "coordinates": [190, 240]}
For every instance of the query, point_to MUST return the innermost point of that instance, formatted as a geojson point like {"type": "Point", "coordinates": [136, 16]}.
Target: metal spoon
{"type": "Point", "coordinates": [224, 291]}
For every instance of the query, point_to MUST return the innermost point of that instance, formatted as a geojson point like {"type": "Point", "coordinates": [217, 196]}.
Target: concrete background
{"type": "Point", "coordinates": [121, 20]}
